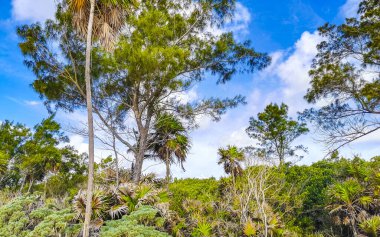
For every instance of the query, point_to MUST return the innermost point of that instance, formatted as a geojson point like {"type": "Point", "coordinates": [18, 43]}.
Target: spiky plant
{"type": "Point", "coordinates": [349, 199]}
{"type": "Point", "coordinates": [371, 226]}
{"type": "Point", "coordinates": [100, 204]}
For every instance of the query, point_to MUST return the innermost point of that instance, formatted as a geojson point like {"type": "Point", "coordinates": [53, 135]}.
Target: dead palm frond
{"type": "Point", "coordinates": [109, 19]}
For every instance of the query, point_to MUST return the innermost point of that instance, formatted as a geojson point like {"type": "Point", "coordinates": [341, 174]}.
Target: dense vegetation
{"type": "Point", "coordinates": [333, 197]}
{"type": "Point", "coordinates": [129, 62]}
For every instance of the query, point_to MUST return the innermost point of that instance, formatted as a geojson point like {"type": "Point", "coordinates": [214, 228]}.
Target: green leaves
{"type": "Point", "coordinates": [231, 157]}
{"type": "Point", "coordinates": [275, 132]}
{"type": "Point", "coordinates": [371, 226]}
{"type": "Point", "coordinates": [344, 75]}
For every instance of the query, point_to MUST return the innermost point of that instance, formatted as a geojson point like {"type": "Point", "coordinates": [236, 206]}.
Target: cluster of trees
{"type": "Point", "coordinates": [30, 156]}
{"type": "Point", "coordinates": [138, 57]}
{"type": "Point", "coordinates": [127, 63]}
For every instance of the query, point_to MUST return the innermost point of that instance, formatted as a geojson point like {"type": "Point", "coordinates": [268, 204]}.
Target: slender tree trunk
{"type": "Point", "coordinates": [22, 185]}
{"type": "Point", "coordinates": [352, 222]}
{"type": "Point", "coordinates": [90, 183]}
{"type": "Point", "coordinates": [30, 185]}
{"type": "Point", "coordinates": [116, 160]}
{"type": "Point", "coordinates": [167, 172]}
{"type": "Point", "coordinates": [45, 188]}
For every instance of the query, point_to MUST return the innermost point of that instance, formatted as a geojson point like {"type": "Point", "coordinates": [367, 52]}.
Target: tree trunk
{"type": "Point", "coordinates": [116, 160]}
{"type": "Point", "coordinates": [167, 173]}
{"type": "Point", "coordinates": [90, 183]}
{"type": "Point", "coordinates": [22, 185]}
{"type": "Point", "coordinates": [140, 157]}
{"type": "Point", "coordinates": [138, 167]}
{"type": "Point", "coordinates": [352, 222]}
{"type": "Point", "coordinates": [30, 185]}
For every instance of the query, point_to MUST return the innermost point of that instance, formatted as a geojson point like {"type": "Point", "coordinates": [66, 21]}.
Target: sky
{"type": "Point", "coordinates": [286, 30]}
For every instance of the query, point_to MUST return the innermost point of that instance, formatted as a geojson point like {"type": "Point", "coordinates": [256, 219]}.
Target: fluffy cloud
{"type": "Point", "coordinates": [36, 10]}
{"type": "Point", "coordinates": [349, 9]}
{"type": "Point", "coordinates": [238, 23]}
{"type": "Point", "coordinates": [292, 70]}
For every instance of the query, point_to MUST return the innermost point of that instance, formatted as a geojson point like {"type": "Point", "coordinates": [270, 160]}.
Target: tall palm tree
{"type": "Point", "coordinates": [102, 20]}
{"type": "Point", "coordinates": [231, 158]}
{"type": "Point", "coordinates": [170, 142]}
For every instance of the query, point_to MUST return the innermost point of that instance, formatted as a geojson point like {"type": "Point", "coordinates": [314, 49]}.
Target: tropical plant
{"type": "Point", "coordinates": [231, 158]}
{"type": "Point", "coordinates": [371, 226]}
{"type": "Point", "coordinates": [170, 142]}
{"type": "Point", "coordinates": [29, 216]}
{"type": "Point", "coordinates": [139, 223]}
{"type": "Point", "coordinates": [103, 20]}
{"type": "Point", "coordinates": [348, 200]}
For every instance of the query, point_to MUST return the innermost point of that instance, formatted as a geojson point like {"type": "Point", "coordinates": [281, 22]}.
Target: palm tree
{"type": "Point", "coordinates": [170, 142]}
{"type": "Point", "coordinates": [349, 199]}
{"type": "Point", "coordinates": [101, 19]}
{"type": "Point", "coordinates": [231, 158]}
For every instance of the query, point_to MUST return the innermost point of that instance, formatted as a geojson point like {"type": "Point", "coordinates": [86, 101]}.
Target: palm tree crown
{"type": "Point", "coordinates": [170, 142]}
{"type": "Point", "coordinates": [231, 158]}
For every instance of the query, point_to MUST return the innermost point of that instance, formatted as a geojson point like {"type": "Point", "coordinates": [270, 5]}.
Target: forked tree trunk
{"type": "Point", "coordinates": [90, 183]}
{"type": "Point", "coordinates": [30, 185]}
{"type": "Point", "coordinates": [139, 157]}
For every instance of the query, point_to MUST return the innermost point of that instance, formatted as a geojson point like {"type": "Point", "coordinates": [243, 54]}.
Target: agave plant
{"type": "Point", "coordinates": [100, 204]}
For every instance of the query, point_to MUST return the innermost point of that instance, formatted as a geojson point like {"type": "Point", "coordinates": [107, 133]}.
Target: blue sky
{"type": "Point", "coordinates": [284, 29]}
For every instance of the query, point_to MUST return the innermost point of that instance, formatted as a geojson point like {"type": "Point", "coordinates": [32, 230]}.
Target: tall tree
{"type": "Point", "coordinates": [40, 153]}
{"type": "Point", "coordinates": [345, 74]}
{"type": "Point", "coordinates": [80, 8]}
{"type": "Point", "coordinates": [166, 49]}
{"type": "Point", "coordinates": [275, 132]}
{"type": "Point", "coordinates": [101, 19]}
{"type": "Point", "coordinates": [12, 137]}
{"type": "Point", "coordinates": [170, 142]}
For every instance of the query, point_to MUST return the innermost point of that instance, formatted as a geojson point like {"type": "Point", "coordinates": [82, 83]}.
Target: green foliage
{"type": "Point", "coordinates": [203, 190]}
{"type": "Point", "coordinates": [342, 75]}
{"type": "Point", "coordinates": [27, 216]}
{"type": "Point", "coordinates": [231, 158]}
{"type": "Point", "coordinates": [203, 229]}
{"type": "Point", "coordinates": [134, 225]}
{"type": "Point", "coordinates": [168, 49]}
{"type": "Point", "coordinates": [171, 142]}
{"type": "Point", "coordinates": [371, 226]}
{"type": "Point", "coordinates": [275, 132]}
{"type": "Point", "coordinates": [29, 157]}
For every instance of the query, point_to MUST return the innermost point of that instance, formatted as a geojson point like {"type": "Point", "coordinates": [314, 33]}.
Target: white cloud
{"type": "Point", "coordinates": [36, 10]}
{"type": "Point", "coordinates": [32, 102]}
{"type": "Point", "coordinates": [349, 9]}
{"type": "Point", "coordinates": [293, 71]}
{"type": "Point", "coordinates": [240, 21]}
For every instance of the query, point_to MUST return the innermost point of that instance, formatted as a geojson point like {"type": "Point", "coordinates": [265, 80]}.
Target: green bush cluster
{"type": "Point", "coordinates": [134, 225]}
{"type": "Point", "coordinates": [27, 216]}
